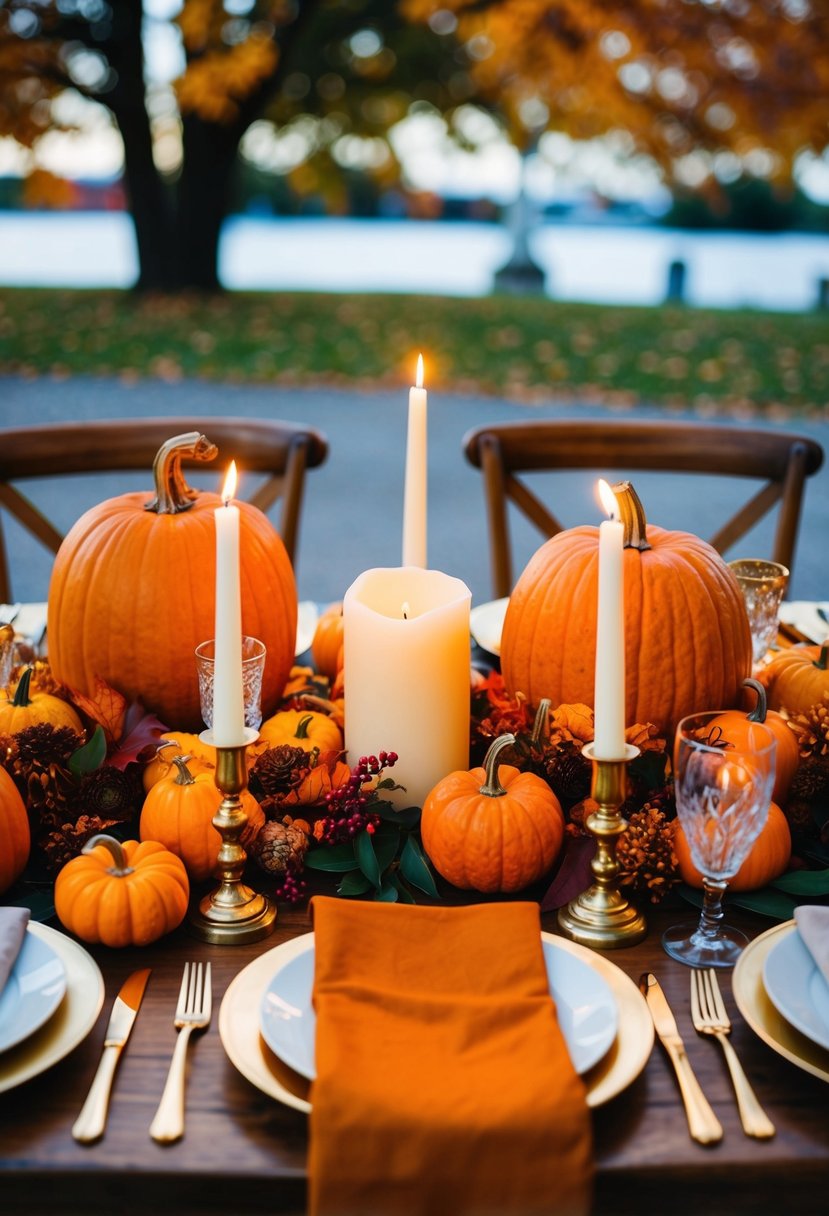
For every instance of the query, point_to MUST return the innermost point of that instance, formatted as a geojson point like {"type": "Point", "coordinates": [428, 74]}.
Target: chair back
{"type": "Point", "coordinates": [504, 451]}
{"type": "Point", "coordinates": [281, 451]}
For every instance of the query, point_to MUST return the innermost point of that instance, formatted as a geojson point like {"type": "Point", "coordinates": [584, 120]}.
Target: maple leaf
{"type": "Point", "coordinates": [105, 706]}
{"type": "Point", "coordinates": [141, 729]}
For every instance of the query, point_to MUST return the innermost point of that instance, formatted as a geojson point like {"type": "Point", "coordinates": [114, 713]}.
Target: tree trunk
{"type": "Point", "coordinates": [202, 199]}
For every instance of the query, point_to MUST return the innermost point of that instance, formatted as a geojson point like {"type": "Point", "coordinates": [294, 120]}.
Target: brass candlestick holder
{"type": "Point", "coordinates": [601, 917]}
{"type": "Point", "coordinates": [232, 913]}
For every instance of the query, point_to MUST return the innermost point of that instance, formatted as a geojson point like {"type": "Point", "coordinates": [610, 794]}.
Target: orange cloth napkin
{"type": "Point", "coordinates": [443, 1082]}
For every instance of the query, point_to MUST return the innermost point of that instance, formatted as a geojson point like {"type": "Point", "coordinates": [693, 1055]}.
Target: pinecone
{"type": "Point", "coordinates": [645, 852]}
{"type": "Point", "coordinates": [107, 793]}
{"type": "Point", "coordinates": [39, 768]}
{"type": "Point", "coordinates": [812, 729]}
{"type": "Point", "coordinates": [809, 791]}
{"type": "Point", "coordinates": [280, 846]}
{"type": "Point", "coordinates": [278, 770]}
{"type": "Point", "coordinates": [568, 773]}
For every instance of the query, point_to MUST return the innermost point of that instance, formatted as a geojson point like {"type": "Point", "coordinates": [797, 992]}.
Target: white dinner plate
{"type": "Point", "coordinates": [587, 1012]}
{"type": "Point", "coordinates": [32, 992]}
{"type": "Point", "coordinates": [797, 988]}
{"type": "Point", "coordinates": [307, 616]}
{"type": "Point", "coordinates": [486, 622]}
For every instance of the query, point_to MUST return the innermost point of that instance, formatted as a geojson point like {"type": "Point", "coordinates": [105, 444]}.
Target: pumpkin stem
{"type": "Point", "coordinates": [758, 714]}
{"type": "Point", "coordinates": [301, 731]}
{"type": "Point", "coordinates": [183, 776]}
{"type": "Point", "coordinates": [632, 515]}
{"type": "Point", "coordinates": [541, 731]}
{"type": "Point", "coordinates": [119, 866]}
{"type": "Point", "coordinates": [492, 787]}
{"type": "Point", "coordinates": [21, 695]}
{"type": "Point", "coordinates": [822, 661]}
{"type": "Point", "coordinates": [172, 493]}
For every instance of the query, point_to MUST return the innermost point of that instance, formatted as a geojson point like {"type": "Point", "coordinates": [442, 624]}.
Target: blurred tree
{"type": "Point", "coordinates": [708, 88]}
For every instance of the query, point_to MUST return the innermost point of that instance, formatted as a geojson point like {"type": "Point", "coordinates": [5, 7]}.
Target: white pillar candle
{"type": "Point", "coordinates": [406, 653]}
{"type": "Point", "coordinates": [415, 491]}
{"type": "Point", "coordinates": [228, 698]}
{"type": "Point", "coordinates": [609, 701]}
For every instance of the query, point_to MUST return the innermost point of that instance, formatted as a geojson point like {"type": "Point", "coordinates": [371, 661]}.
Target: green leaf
{"type": "Point", "coordinates": [404, 894]}
{"type": "Point", "coordinates": [41, 903]}
{"type": "Point", "coordinates": [91, 756]}
{"type": "Point", "coordinates": [407, 819]}
{"type": "Point", "coordinates": [386, 841]}
{"type": "Point", "coordinates": [388, 893]}
{"type": "Point", "coordinates": [803, 882]}
{"type": "Point", "coordinates": [773, 904]}
{"type": "Point", "coordinates": [413, 867]}
{"type": "Point", "coordinates": [337, 859]}
{"type": "Point", "coordinates": [354, 883]}
{"type": "Point", "coordinates": [367, 858]}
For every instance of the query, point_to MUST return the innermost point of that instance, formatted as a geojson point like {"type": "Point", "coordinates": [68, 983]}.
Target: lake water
{"type": "Point", "coordinates": [603, 264]}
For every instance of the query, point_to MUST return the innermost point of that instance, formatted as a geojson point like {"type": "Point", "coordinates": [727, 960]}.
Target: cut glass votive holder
{"type": "Point", "coordinates": [763, 585]}
{"type": "Point", "coordinates": [253, 669]}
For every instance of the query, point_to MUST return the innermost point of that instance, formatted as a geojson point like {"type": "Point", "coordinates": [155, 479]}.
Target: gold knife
{"type": "Point", "coordinates": [90, 1123]}
{"type": "Point", "coordinates": [703, 1124]}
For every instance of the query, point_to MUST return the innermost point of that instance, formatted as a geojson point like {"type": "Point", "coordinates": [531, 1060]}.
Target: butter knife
{"type": "Point", "coordinates": [91, 1122]}
{"type": "Point", "coordinates": [703, 1124]}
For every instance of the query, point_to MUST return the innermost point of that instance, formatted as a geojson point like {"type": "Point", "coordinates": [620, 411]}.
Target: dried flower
{"type": "Point", "coordinates": [62, 844]}
{"type": "Point", "coordinates": [645, 852]}
{"type": "Point", "coordinates": [812, 729]}
{"type": "Point", "coordinates": [108, 793]}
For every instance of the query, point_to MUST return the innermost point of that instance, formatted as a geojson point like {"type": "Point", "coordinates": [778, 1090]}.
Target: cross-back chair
{"type": "Point", "coordinates": [281, 451]}
{"type": "Point", "coordinates": [504, 451]}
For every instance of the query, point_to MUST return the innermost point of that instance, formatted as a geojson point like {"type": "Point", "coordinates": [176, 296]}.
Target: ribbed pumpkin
{"type": "Point", "coordinates": [492, 828]}
{"type": "Point", "coordinates": [132, 592]}
{"type": "Point", "coordinates": [327, 646]}
{"type": "Point", "coordinates": [178, 813]}
{"type": "Point", "coordinates": [798, 678]}
{"type": "Point", "coordinates": [736, 730]}
{"type": "Point", "coordinates": [126, 894]}
{"type": "Point", "coordinates": [768, 858]}
{"type": "Point", "coordinates": [687, 637]}
{"type": "Point", "coordinates": [15, 838]}
{"type": "Point", "coordinates": [26, 708]}
{"type": "Point", "coordinates": [302, 728]}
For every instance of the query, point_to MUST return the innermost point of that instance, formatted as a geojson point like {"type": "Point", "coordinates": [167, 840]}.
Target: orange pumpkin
{"type": "Point", "coordinates": [126, 894]}
{"type": "Point", "coordinates": [177, 743]}
{"type": "Point", "coordinates": [178, 813]}
{"type": "Point", "coordinates": [797, 678]}
{"type": "Point", "coordinates": [769, 857]}
{"type": "Point", "coordinates": [327, 646]}
{"type": "Point", "coordinates": [736, 726]}
{"type": "Point", "coordinates": [139, 570]}
{"type": "Point", "coordinates": [22, 710]}
{"type": "Point", "coordinates": [15, 838]}
{"type": "Point", "coordinates": [492, 828]}
{"type": "Point", "coordinates": [687, 637]}
{"type": "Point", "coordinates": [302, 728]}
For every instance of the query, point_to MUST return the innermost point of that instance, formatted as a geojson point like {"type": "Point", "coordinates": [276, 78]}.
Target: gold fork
{"type": "Point", "coordinates": [192, 1013]}
{"type": "Point", "coordinates": [709, 1016]}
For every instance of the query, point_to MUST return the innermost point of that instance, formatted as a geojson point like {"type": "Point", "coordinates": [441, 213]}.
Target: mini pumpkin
{"type": "Point", "coordinates": [202, 756]}
{"type": "Point", "coordinates": [178, 813]}
{"type": "Point", "coordinates": [797, 678]}
{"type": "Point", "coordinates": [492, 828]}
{"type": "Point", "coordinates": [736, 728]}
{"type": "Point", "coordinates": [769, 856]}
{"type": "Point", "coordinates": [126, 894]}
{"type": "Point", "coordinates": [15, 839]}
{"type": "Point", "coordinates": [23, 709]}
{"type": "Point", "coordinates": [302, 728]}
{"type": "Point", "coordinates": [327, 646]}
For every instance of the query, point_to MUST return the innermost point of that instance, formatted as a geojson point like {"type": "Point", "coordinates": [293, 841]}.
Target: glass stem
{"type": "Point", "coordinates": [712, 912]}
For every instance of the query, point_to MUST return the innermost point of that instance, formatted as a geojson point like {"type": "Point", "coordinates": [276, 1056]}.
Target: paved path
{"type": "Point", "coordinates": [353, 511]}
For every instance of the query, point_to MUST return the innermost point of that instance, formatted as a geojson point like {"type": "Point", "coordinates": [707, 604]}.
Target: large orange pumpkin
{"type": "Point", "coordinates": [798, 678]}
{"type": "Point", "coordinates": [769, 856]}
{"type": "Point", "coordinates": [14, 833]}
{"type": "Point", "coordinates": [133, 592]}
{"type": "Point", "coordinates": [687, 637]}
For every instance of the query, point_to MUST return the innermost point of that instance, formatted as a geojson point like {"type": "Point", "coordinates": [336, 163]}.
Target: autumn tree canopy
{"type": "Point", "coordinates": [704, 87]}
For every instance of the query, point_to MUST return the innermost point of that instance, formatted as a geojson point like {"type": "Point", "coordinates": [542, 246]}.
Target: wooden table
{"type": "Point", "coordinates": [244, 1153]}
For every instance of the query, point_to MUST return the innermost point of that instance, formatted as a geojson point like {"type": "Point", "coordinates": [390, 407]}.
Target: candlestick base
{"type": "Point", "coordinates": [232, 913]}
{"type": "Point", "coordinates": [601, 916]}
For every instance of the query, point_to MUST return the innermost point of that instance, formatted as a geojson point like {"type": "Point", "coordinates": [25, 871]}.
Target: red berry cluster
{"type": "Point", "coordinates": [349, 807]}
{"type": "Point", "coordinates": [292, 889]}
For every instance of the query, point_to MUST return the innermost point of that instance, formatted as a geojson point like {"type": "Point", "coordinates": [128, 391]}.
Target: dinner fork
{"type": "Point", "coordinates": [709, 1016]}
{"type": "Point", "coordinates": [192, 1013]}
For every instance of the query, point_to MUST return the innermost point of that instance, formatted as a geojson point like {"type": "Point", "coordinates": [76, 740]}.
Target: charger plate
{"type": "Point", "coordinates": [764, 1019]}
{"type": "Point", "coordinates": [70, 1023]}
{"type": "Point", "coordinates": [250, 1054]}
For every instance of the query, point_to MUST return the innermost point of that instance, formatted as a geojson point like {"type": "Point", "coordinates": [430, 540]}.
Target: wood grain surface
{"type": "Point", "coordinates": [244, 1153]}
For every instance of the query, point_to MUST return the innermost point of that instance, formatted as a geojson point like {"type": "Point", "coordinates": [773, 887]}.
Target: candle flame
{"type": "Point", "coordinates": [419, 376]}
{"type": "Point", "coordinates": [608, 499]}
{"type": "Point", "coordinates": [405, 610]}
{"type": "Point", "coordinates": [229, 488]}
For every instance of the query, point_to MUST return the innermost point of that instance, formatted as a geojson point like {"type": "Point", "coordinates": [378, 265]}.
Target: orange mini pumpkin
{"type": "Point", "coordinates": [15, 839]}
{"type": "Point", "coordinates": [22, 710]}
{"type": "Point", "coordinates": [492, 828]}
{"type": "Point", "coordinates": [736, 727]}
{"type": "Point", "coordinates": [769, 856]}
{"type": "Point", "coordinates": [178, 813]}
{"type": "Point", "coordinates": [687, 637]}
{"type": "Point", "coordinates": [798, 678]}
{"type": "Point", "coordinates": [327, 646]}
{"type": "Point", "coordinates": [302, 728]}
{"type": "Point", "coordinates": [172, 743]}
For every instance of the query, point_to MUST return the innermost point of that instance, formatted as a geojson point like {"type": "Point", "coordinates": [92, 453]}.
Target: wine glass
{"type": "Point", "coordinates": [763, 585]}
{"type": "Point", "coordinates": [723, 794]}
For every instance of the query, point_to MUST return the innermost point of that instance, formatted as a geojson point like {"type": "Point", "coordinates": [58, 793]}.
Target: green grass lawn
{"type": "Point", "coordinates": [526, 349]}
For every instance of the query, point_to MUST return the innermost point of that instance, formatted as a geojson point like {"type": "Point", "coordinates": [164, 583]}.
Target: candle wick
{"type": "Point", "coordinates": [406, 611]}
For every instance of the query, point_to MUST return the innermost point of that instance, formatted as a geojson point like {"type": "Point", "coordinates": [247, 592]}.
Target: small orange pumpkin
{"type": "Point", "coordinates": [327, 646]}
{"type": "Point", "coordinates": [178, 813]}
{"type": "Point", "coordinates": [736, 726]}
{"type": "Point", "coordinates": [769, 857]}
{"type": "Point", "coordinates": [22, 710]}
{"type": "Point", "coordinates": [798, 678]}
{"type": "Point", "coordinates": [126, 894]}
{"type": "Point", "coordinates": [302, 728]}
{"type": "Point", "coordinates": [15, 838]}
{"type": "Point", "coordinates": [202, 756]}
{"type": "Point", "coordinates": [492, 828]}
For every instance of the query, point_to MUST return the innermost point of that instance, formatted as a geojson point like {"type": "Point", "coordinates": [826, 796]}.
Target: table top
{"type": "Point", "coordinates": [244, 1152]}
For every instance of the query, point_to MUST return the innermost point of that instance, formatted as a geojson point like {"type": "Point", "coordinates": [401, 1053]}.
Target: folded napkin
{"type": "Point", "coordinates": [13, 922]}
{"type": "Point", "coordinates": [443, 1080]}
{"type": "Point", "coordinates": [813, 926]}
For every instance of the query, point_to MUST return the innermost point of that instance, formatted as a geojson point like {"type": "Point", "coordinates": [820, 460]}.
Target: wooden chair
{"type": "Point", "coordinates": [282, 451]}
{"type": "Point", "coordinates": [503, 451]}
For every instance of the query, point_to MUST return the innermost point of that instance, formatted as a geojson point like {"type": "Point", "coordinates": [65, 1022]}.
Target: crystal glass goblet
{"type": "Point", "coordinates": [723, 794]}
{"type": "Point", "coordinates": [763, 585]}
{"type": "Point", "coordinates": [253, 667]}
